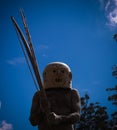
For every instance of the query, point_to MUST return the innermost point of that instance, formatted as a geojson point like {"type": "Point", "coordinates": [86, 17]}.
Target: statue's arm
{"type": "Point", "coordinates": [36, 115]}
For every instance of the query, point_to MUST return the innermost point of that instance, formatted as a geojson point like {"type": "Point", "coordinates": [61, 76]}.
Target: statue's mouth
{"type": "Point", "coordinates": [58, 80]}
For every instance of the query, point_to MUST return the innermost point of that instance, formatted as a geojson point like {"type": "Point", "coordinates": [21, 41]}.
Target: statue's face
{"type": "Point", "coordinates": [57, 75]}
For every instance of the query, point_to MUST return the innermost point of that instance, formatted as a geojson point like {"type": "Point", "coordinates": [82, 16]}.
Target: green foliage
{"type": "Point", "coordinates": [114, 71]}
{"type": "Point", "coordinates": [93, 116]}
{"type": "Point", "coordinates": [113, 97]}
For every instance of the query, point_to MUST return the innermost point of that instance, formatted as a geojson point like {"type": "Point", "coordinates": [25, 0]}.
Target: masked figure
{"type": "Point", "coordinates": [63, 101]}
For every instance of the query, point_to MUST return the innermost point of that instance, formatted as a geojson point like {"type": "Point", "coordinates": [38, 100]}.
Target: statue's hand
{"type": "Point", "coordinates": [60, 119]}
{"type": "Point", "coordinates": [54, 119]}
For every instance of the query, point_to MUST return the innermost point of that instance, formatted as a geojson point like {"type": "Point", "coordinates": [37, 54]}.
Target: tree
{"type": "Point", "coordinates": [113, 98]}
{"type": "Point", "coordinates": [93, 116]}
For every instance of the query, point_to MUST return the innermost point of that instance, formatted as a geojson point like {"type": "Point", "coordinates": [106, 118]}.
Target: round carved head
{"type": "Point", "coordinates": [57, 75]}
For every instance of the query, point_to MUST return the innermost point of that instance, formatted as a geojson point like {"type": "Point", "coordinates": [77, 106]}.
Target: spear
{"type": "Point", "coordinates": [31, 55]}
{"type": "Point", "coordinates": [27, 33]}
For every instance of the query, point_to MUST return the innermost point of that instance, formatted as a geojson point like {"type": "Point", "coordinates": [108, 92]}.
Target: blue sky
{"type": "Point", "coordinates": [77, 32]}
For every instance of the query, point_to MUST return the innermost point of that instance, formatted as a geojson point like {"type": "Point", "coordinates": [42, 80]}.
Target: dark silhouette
{"type": "Point", "coordinates": [63, 101]}
{"type": "Point", "coordinates": [113, 99]}
{"type": "Point", "coordinates": [93, 116]}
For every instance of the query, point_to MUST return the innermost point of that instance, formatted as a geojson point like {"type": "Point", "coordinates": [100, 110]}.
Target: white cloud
{"type": "Point", "coordinates": [111, 12]}
{"type": "Point", "coordinates": [21, 60]}
{"type": "Point", "coordinates": [113, 17]}
{"type": "Point", "coordinates": [42, 49]}
{"type": "Point", "coordinates": [16, 61]}
{"type": "Point", "coordinates": [107, 5]}
{"type": "Point", "coordinates": [5, 126]}
{"type": "Point", "coordinates": [115, 2]}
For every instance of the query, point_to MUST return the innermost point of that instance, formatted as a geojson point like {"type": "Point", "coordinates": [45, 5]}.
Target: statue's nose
{"type": "Point", "coordinates": [58, 72]}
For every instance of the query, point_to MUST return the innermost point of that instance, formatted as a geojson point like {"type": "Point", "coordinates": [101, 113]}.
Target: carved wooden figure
{"type": "Point", "coordinates": [63, 100]}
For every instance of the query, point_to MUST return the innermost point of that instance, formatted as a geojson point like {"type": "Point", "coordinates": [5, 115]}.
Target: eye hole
{"type": "Point", "coordinates": [62, 71]}
{"type": "Point", "coordinates": [54, 71]}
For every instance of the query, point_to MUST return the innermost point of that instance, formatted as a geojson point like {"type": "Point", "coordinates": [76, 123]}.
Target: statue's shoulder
{"type": "Point", "coordinates": [75, 92]}
{"type": "Point", "coordinates": [36, 94]}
